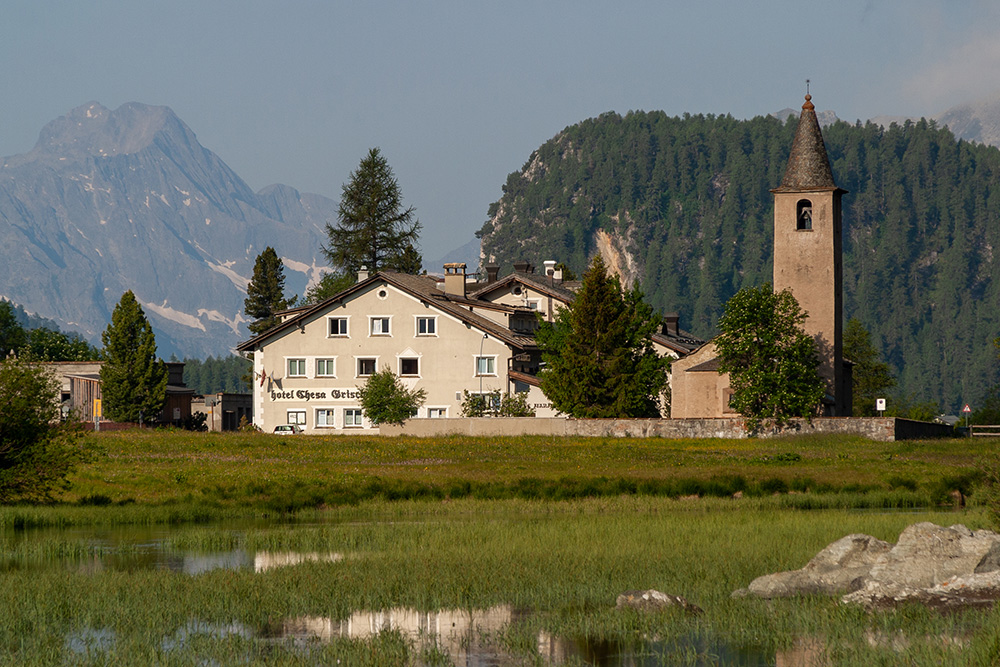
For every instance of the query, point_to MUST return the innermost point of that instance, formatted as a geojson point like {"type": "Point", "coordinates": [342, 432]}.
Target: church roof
{"type": "Point", "coordinates": [808, 166]}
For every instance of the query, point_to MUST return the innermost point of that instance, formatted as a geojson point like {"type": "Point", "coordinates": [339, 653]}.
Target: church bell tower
{"type": "Point", "coordinates": [808, 252]}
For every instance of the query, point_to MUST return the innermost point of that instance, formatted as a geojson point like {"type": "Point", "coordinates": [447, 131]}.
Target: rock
{"type": "Point", "coordinates": [653, 600]}
{"type": "Point", "coordinates": [839, 568]}
{"type": "Point", "coordinates": [945, 568]}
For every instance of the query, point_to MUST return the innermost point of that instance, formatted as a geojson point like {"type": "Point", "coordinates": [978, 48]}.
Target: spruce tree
{"type": "Point", "coordinates": [266, 292]}
{"type": "Point", "coordinates": [133, 380]}
{"type": "Point", "coordinates": [599, 358]}
{"type": "Point", "coordinates": [12, 336]}
{"type": "Point", "coordinates": [772, 363]}
{"type": "Point", "coordinates": [373, 229]}
{"type": "Point", "coordinates": [871, 378]}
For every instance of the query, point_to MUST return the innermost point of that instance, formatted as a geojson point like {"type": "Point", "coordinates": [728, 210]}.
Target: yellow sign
{"type": "Point", "coordinates": [97, 408]}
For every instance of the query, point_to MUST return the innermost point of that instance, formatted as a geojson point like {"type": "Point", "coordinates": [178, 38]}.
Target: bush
{"type": "Point", "coordinates": [37, 452]}
{"type": "Point", "coordinates": [495, 404]}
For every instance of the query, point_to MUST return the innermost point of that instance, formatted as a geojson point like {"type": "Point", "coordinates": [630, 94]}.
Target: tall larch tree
{"type": "Point", "coordinates": [373, 228]}
{"type": "Point", "coordinates": [266, 292]}
{"type": "Point", "coordinates": [599, 357]}
{"type": "Point", "coordinates": [133, 380]}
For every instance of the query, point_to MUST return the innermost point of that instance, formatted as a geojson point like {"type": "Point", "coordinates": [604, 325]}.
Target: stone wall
{"type": "Point", "coordinates": [875, 428]}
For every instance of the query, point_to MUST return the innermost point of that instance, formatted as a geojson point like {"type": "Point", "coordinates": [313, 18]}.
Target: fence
{"type": "Point", "coordinates": [985, 430]}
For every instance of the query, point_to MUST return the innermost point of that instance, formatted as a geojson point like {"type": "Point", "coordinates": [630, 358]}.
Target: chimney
{"type": "Point", "coordinates": [492, 270]}
{"type": "Point", "coordinates": [550, 269]}
{"type": "Point", "coordinates": [671, 324]}
{"type": "Point", "coordinates": [363, 274]}
{"type": "Point", "coordinates": [454, 279]}
{"type": "Point", "coordinates": [521, 266]}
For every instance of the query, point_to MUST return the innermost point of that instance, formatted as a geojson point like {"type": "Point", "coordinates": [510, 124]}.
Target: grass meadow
{"type": "Point", "coordinates": [553, 528]}
{"type": "Point", "coordinates": [266, 472]}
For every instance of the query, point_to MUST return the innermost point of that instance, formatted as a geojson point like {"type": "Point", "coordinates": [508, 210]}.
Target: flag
{"type": "Point", "coordinates": [263, 376]}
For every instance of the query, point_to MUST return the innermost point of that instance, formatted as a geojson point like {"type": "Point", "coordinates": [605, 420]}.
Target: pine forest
{"type": "Point", "coordinates": [683, 205]}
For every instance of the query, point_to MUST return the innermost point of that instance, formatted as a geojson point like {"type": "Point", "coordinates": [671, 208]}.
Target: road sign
{"type": "Point", "coordinates": [966, 408]}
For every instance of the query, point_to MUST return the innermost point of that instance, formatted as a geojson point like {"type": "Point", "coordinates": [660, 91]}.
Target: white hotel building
{"type": "Point", "coordinates": [443, 337]}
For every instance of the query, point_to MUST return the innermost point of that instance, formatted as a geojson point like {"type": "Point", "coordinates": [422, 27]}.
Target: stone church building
{"type": "Point", "coordinates": [808, 261]}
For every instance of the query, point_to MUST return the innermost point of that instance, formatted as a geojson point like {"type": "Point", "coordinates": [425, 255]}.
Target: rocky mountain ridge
{"type": "Point", "coordinates": [112, 200]}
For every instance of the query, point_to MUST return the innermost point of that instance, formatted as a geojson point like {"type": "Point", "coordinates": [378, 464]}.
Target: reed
{"type": "Point", "coordinates": [562, 563]}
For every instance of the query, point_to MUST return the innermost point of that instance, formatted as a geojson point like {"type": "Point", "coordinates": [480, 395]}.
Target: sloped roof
{"type": "Point", "coordinates": [808, 165]}
{"type": "Point", "coordinates": [422, 287]}
{"type": "Point", "coordinates": [564, 291]}
{"type": "Point", "coordinates": [683, 343]}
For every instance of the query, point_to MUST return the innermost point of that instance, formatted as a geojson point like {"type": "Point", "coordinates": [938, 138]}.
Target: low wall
{"type": "Point", "coordinates": [874, 428]}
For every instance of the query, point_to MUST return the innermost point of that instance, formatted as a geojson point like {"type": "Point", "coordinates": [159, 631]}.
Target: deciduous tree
{"type": "Point", "coordinates": [772, 363]}
{"type": "Point", "coordinates": [331, 283]}
{"type": "Point", "coordinates": [373, 229]}
{"type": "Point", "coordinates": [133, 380]}
{"type": "Point", "coordinates": [36, 450]}
{"type": "Point", "coordinates": [385, 400]}
{"type": "Point", "coordinates": [599, 357]}
{"type": "Point", "coordinates": [266, 292]}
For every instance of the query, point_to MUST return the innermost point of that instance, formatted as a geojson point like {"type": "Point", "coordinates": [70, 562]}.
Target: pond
{"type": "Point", "coordinates": [474, 637]}
{"type": "Point", "coordinates": [455, 583]}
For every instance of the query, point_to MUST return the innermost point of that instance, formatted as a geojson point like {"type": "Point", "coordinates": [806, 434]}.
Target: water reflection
{"type": "Point", "coordinates": [134, 549]}
{"type": "Point", "coordinates": [266, 560]}
{"type": "Point", "coordinates": [475, 638]}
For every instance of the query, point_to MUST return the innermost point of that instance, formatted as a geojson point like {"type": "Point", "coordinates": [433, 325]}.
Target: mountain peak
{"type": "Point", "coordinates": [92, 130]}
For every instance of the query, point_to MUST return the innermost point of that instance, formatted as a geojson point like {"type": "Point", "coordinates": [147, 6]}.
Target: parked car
{"type": "Point", "coordinates": [287, 429]}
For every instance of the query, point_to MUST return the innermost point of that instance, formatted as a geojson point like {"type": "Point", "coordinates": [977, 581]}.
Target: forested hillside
{"type": "Point", "coordinates": [683, 205]}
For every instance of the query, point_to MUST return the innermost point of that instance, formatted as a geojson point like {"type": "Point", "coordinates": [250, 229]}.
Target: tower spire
{"type": "Point", "coordinates": [808, 165]}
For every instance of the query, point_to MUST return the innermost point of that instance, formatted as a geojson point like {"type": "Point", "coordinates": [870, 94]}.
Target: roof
{"type": "Point", "coordinates": [706, 366]}
{"type": "Point", "coordinates": [564, 291]}
{"type": "Point", "coordinates": [808, 165]}
{"type": "Point", "coordinates": [682, 342]}
{"type": "Point", "coordinates": [422, 287]}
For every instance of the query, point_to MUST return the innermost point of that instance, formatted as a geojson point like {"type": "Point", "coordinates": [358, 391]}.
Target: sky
{"type": "Point", "coordinates": [457, 94]}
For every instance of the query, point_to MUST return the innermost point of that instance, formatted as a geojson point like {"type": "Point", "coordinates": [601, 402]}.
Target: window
{"type": "Point", "coordinates": [366, 366]}
{"type": "Point", "coordinates": [297, 417]}
{"type": "Point", "coordinates": [296, 368]}
{"type": "Point", "coordinates": [437, 413]}
{"type": "Point", "coordinates": [486, 365]}
{"type": "Point", "coordinates": [326, 368]}
{"type": "Point", "coordinates": [352, 418]}
{"type": "Point", "coordinates": [727, 401]}
{"type": "Point", "coordinates": [535, 304]}
{"type": "Point", "coordinates": [380, 326]}
{"type": "Point", "coordinates": [409, 366]}
{"type": "Point", "coordinates": [804, 215]}
{"type": "Point", "coordinates": [338, 326]}
{"type": "Point", "coordinates": [325, 418]}
{"type": "Point", "coordinates": [426, 326]}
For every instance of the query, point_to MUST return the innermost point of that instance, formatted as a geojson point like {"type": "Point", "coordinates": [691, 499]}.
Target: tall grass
{"type": "Point", "coordinates": [565, 563]}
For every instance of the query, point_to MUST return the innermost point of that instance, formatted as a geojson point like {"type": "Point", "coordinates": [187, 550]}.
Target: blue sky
{"type": "Point", "coordinates": [458, 94]}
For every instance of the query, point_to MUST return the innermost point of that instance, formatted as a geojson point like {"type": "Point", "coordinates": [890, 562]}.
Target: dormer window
{"type": "Point", "coordinates": [803, 215]}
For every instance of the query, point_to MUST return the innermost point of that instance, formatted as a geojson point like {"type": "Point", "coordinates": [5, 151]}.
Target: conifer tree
{"type": "Point", "coordinates": [599, 358]}
{"type": "Point", "coordinates": [266, 292]}
{"type": "Point", "coordinates": [871, 378]}
{"type": "Point", "coordinates": [133, 380]}
{"type": "Point", "coordinates": [373, 229]}
{"type": "Point", "coordinates": [12, 336]}
{"type": "Point", "coordinates": [772, 363]}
